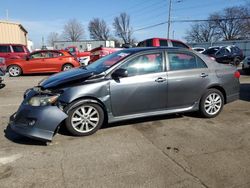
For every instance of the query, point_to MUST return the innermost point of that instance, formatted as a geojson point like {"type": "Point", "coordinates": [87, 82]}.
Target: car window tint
{"type": "Point", "coordinates": [17, 48]}
{"type": "Point", "coordinates": [38, 55]}
{"type": "Point", "coordinates": [149, 42]}
{"type": "Point", "coordinates": [144, 64]}
{"type": "Point", "coordinates": [5, 49]}
{"type": "Point", "coordinates": [183, 61]}
{"type": "Point", "coordinates": [142, 44]}
{"type": "Point", "coordinates": [211, 51]}
{"type": "Point", "coordinates": [163, 42]}
{"type": "Point", "coordinates": [179, 44]}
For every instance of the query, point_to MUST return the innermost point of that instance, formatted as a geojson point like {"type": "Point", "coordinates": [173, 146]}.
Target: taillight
{"type": "Point", "coordinates": [237, 74]}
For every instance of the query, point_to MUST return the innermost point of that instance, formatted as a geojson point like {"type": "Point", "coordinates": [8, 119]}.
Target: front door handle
{"type": "Point", "coordinates": [160, 79]}
{"type": "Point", "coordinates": [203, 75]}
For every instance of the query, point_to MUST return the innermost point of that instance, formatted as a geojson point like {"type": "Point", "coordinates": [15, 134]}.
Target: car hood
{"type": "Point", "coordinates": [62, 79]}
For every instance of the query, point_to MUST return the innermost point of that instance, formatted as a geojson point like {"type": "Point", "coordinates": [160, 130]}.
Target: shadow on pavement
{"type": "Point", "coordinates": [63, 130]}
{"type": "Point", "coordinates": [2, 86]}
{"type": "Point", "coordinates": [19, 139]}
{"type": "Point", "coordinates": [245, 92]}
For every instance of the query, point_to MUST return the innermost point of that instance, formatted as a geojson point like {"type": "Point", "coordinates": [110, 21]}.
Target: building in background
{"type": "Point", "coordinates": [13, 33]}
{"type": "Point", "coordinates": [84, 45]}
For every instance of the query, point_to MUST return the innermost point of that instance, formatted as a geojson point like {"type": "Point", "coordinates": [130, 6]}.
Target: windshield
{"type": "Point", "coordinates": [108, 61]}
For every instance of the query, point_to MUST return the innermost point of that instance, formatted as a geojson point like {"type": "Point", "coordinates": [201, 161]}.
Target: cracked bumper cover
{"type": "Point", "coordinates": [37, 122]}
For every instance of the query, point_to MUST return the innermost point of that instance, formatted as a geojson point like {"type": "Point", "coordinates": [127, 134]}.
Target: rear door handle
{"type": "Point", "coordinates": [160, 79]}
{"type": "Point", "coordinates": [203, 75]}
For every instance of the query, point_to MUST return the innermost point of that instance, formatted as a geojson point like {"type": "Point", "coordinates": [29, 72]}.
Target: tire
{"type": "Point", "coordinates": [84, 118]}
{"type": "Point", "coordinates": [14, 70]}
{"type": "Point", "coordinates": [66, 67]}
{"type": "Point", "coordinates": [211, 103]}
{"type": "Point", "coordinates": [236, 61]}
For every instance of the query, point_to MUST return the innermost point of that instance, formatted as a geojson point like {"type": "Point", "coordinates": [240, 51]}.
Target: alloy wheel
{"type": "Point", "coordinates": [85, 119]}
{"type": "Point", "coordinates": [213, 103]}
{"type": "Point", "coordinates": [14, 71]}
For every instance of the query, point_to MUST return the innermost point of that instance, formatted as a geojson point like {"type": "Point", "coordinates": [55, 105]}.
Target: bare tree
{"type": "Point", "coordinates": [52, 37]}
{"type": "Point", "coordinates": [123, 28]}
{"type": "Point", "coordinates": [231, 22]}
{"type": "Point", "coordinates": [202, 32]}
{"type": "Point", "coordinates": [98, 29]}
{"type": "Point", "coordinates": [73, 30]}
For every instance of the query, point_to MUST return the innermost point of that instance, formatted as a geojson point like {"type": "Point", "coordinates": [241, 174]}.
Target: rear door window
{"type": "Point", "coordinates": [18, 49]}
{"type": "Point", "coordinates": [5, 49]}
{"type": "Point", "coordinates": [184, 61]}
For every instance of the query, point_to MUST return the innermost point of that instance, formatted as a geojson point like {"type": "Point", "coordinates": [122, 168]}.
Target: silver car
{"type": "Point", "coordinates": [131, 83]}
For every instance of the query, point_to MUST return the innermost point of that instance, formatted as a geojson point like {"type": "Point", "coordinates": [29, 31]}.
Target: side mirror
{"type": "Point", "coordinates": [120, 73]}
{"type": "Point", "coordinates": [27, 58]}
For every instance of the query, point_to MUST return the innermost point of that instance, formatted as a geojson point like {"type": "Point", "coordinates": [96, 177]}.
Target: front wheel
{"type": "Point", "coordinates": [211, 103]}
{"type": "Point", "coordinates": [84, 119]}
{"type": "Point", "coordinates": [67, 67]}
{"type": "Point", "coordinates": [14, 70]}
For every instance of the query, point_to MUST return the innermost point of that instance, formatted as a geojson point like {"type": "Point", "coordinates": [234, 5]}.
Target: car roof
{"type": "Point", "coordinates": [140, 49]}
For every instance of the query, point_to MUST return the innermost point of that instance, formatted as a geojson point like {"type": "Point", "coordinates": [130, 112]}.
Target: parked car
{"type": "Point", "coordinates": [100, 52]}
{"type": "Point", "coordinates": [226, 54]}
{"type": "Point", "coordinates": [199, 49]}
{"type": "Point", "coordinates": [2, 69]}
{"type": "Point", "coordinates": [162, 42]}
{"type": "Point", "coordinates": [83, 57]}
{"type": "Point", "coordinates": [246, 64]}
{"type": "Point", "coordinates": [43, 61]}
{"type": "Point", "coordinates": [13, 51]}
{"type": "Point", "coordinates": [127, 84]}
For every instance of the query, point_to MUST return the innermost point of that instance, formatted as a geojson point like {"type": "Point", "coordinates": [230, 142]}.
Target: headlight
{"type": "Point", "coordinates": [43, 100]}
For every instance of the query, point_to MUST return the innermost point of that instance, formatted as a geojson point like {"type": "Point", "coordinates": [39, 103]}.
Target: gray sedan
{"type": "Point", "coordinates": [131, 83]}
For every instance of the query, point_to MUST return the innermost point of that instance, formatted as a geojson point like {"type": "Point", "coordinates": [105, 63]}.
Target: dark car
{"type": "Point", "coordinates": [127, 84]}
{"type": "Point", "coordinates": [225, 54]}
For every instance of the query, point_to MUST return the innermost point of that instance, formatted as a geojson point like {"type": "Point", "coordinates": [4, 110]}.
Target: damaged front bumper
{"type": "Point", "coordinates": [37, 122]}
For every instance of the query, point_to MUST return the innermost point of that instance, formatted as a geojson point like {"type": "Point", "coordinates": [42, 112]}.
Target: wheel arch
{"type": "Point", "coordinates": [67, 63]}
{"type": "Point", "coordinates": [221, 89]}
{"type": "Point", "coordinates": [84, 99]}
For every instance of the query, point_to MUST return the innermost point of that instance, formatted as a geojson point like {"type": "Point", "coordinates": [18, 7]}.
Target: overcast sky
{"type": "Point", "coordinates": [40, 17]}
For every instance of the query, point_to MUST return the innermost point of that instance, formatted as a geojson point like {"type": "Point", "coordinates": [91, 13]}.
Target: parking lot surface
{"type": "Point", "coordinates": [181, 150]}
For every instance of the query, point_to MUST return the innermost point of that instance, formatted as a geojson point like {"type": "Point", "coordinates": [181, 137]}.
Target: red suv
{"type": "Point", "coordinates": [162, 42]}
{"type": "Point", "coordinates": [13, 51]}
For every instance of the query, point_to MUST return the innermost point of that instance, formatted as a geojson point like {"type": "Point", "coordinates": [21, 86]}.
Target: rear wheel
{"type": "Point", "coordinates": [84, 119]}
{"type": "Point", "coordinates": [14, 70]}
{"type": "Point", "coordinates": [211, 103]}
{"type": "Point", "coordinates": [67, 67]}
{"type": "Point", "coordinates": [236, 61]}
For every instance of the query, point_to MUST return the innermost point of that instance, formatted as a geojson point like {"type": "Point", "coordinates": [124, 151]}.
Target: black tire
{"type": "Point", "coordinates": [204, 105]}
{"type": "Point", "coordinates": [74, 109]}
{"type": "Point", "coordinates": [14, 70]}
{"type": "Point", "coordinates": [236, 61]}
{"type": "Point", "coordinates": [67, 66]}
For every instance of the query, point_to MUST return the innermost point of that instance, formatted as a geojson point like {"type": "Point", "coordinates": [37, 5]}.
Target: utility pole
{"type": "Point", "coordinates": [169, 16]}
